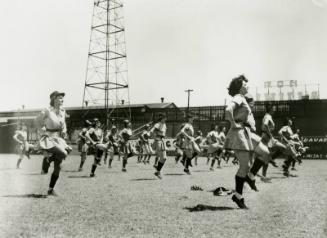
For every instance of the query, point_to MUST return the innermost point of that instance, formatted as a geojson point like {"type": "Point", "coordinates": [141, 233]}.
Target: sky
{"type": "Point", "coordinates": [171, 46]}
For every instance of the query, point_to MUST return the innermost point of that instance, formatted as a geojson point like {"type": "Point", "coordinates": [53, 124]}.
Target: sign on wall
{"type": "Point", "coordinates": [317, 146]}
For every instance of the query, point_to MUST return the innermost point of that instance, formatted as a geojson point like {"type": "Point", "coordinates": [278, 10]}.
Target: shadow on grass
{"type": "Point", "coordinates": [202, 207]}
{"type": "Point", "coordinates": [174, 174]}
{"type": "Point", "coordinates": [32, 195]}
{"type": "Point", "coordinates": [70, 171]}
{"type": "Point", "coordinates": [144, 179]}
{"type": "Point", "coordinates": [79, 176]}
{"type": "Point", "coordinates": [8, 169]}
{"type": "Point", "coordinates": [146, 169]}
{"type": "Point", "coordinates": [34, 174]}
{"type": "Point", "coordinates": [275, 177]}
{"type": "Point", "coordinates": [201, 170]}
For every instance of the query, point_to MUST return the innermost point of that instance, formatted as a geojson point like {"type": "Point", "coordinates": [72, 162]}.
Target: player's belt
{"type": "Point", "coordinates": [53, 130]}
{"type": "Point", "coordinates": [246, 124]}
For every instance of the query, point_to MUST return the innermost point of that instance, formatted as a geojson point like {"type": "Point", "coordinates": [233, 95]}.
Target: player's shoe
{"type": "Point", "coordinates": [158, 174]}
{"type": "Point", "coordinates": [265, 179]}
{"type": "Point", "coordinates": [51, 192]}
{"type": "Point", "coordinates": [251, 183]}
{"type": "Point", "coordinates": [187, 171]}
{"type": "Point", "coordinates": [240, 202]}
{"type": "Point", "coordinates": [273, 163]}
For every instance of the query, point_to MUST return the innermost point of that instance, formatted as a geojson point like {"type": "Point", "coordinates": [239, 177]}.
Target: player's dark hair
{"type": "Point", "coordinates": [236, 85]}
{"type": "Point", "coordinates": [286, 120]}
{"type": "Point", "coordinates": [269, 107]}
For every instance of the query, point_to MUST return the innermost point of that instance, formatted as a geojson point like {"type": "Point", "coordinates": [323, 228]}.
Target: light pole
{"type": "Point", "coordinates": [188, 91]}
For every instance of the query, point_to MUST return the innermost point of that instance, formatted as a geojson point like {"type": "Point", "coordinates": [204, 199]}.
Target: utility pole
{"type": "Point", "coordinates": [188, 91]}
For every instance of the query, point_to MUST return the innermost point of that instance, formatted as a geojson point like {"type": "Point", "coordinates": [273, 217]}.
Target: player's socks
{"type": "Point", "coordinates": [94, 167]}
{"type": "Point", "coordinates": [213, 162]}
{"type": "Point", "coordinates": [256, 166]}
{"type": "Point", "coordinates": [53, 180]}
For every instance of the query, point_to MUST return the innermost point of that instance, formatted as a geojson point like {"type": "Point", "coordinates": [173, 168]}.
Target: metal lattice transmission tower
{"type": "Point", "coordinates": [106, 82]}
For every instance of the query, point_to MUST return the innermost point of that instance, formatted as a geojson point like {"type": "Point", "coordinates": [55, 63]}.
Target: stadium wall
{"type": "Point", "coordinates": [310, 116]}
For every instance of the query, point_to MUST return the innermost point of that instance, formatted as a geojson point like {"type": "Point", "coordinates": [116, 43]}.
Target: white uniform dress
{"type": "Point", "coordinates": [189, 146]}
{"type": "Point", "coordinates": [125, 135]}
{"type": "Point", "coordinates": [242, 138]}
{"type": "Point", "coordinates": [214, 142]}
{"type": "Point", "coordinates": [146, 143]}
{"type": "Point", "coordinates": [25, 146]}
{"type": "Point", "coordinates": [55, 124]}
{"type": "Point", "coordinates": [159, 131]}
{"type": "Point", "coordinates": [287, 132]}
{"type": "Point", "coordinates": [96, 135]}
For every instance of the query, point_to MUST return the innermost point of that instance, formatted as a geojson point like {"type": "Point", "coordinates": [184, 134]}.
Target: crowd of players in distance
{"type": "Point", "coordinates": [242, 142]}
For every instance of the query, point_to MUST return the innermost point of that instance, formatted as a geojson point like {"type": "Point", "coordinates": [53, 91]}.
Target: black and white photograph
{"type": "Point", "coordinates": [163, 118]}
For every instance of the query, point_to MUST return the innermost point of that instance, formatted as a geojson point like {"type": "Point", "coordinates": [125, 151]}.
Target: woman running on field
{"type": "Point", "coordinates": [95, 136]}
{"type": "Point", "coordinates": [190, 148]}
{"type": "Point", "coordinates": [23, 146]}
{"type": "Point", "coordinates": [146, 147]}
{"type": "Point", "coordinates": [126, 147]}
{"type": "Point", "coordinates": [53, 139]}
{"type": "Point", "coordinates": [84, 143]}
{"type": "Point", "coordinates": [159, 132]}
{"type": "Point", "coordinates": [240, 136]}
{"type": "Point", "coordinates": [113, 146]}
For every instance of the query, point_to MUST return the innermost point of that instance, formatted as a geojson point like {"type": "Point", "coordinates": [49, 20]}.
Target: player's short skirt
{"type": "Point", "coordinates": [51, 140]}
{"type": "Point", "coordinates": [113, 148]}
{"type": "Point", "coordinates": [84, 148]}
{"type": "Point", "coordinates": [126, 147]}
{"type": "Point", "coordinates": [241, 139]}
{"type": "Point", "coordinates": [270, 142]}
{"type": "Point", "coordinates": [190, 145]}
{"type": "Point", "coordinates": [212, 148]}
{"type": "Point", "coordinates": [263, 153]}
{"type": "Point", "coordinates": [291, 151]}
{"type": "Point", "coordinates": [159, 145]}
{"type": "Point", "coordinates": [147, 149]}
{"type": "Point", "coordinates": [24, 147]}
{"type": "Point", "coordinates": [101, 146]}
{"type": "Point", "coordinates": [179, 151]}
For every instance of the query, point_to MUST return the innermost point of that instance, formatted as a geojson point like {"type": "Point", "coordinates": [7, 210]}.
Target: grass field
{"type": "Point", "coordinates": [137, 204]}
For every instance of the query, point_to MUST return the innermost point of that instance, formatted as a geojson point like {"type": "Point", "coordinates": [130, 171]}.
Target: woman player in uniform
{"type": "Point", "coordinates": [95, 136]}
{"type": "Point", "coordinates": [84, 143]}
{"type": "Point", "coordinates": [239, 137]}
{"type": "Point", "coordinates": [178, 143]}
{"type": "Point", "coordinates": [299, 148]}
{"type": "Point", "coordinates": [23, 146]}
{"type": "Point", "coordinates": [198, 140]}
{"type": "Point", "coordinates": [126, 147]}
{"type": "Point", "coordinates": [287, 138]}
{"type": "Point", "coordinates": [214, 145]}
{"type": "Point", "coordinates": [113, 146]}
{"type": "Point", "coordinates": [190, 148]}
{"type": "Point", "coordinates": [146, 147]}
{"type": "Point", "coordinates": [159, 132]}
{"type": "Point", "coordinates": [276, 148]}
{"type": "Point", "coordinates": [53, 139]}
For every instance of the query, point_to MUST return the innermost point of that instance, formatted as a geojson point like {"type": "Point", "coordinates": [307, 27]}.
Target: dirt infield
{"type": "Point", "coordinates": [137, 204]}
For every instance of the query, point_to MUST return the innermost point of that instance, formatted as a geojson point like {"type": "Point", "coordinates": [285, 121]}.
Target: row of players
{"type": "Point", "coordinates": [252, 151]}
